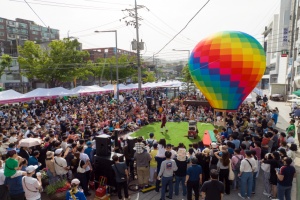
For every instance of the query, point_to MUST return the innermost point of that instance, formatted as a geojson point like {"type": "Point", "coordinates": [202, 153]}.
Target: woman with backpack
{"type": "Point", "coordinates": [236, 163]}
{"type": "Point", "coordinates": [223, 167]}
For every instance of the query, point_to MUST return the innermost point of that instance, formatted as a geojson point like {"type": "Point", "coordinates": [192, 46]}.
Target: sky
{"type": "Point", "coordinates": [161, 21]}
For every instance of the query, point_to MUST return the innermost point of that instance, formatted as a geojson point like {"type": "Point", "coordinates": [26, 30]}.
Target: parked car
{"type": "Point", "coordinates": [277, 97]}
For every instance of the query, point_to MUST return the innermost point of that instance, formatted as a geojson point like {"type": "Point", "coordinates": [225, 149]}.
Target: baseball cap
{"type": "Point", "coordinates": [58, 151]}
{"type": "Point", "coordinates": [31, 168]}
{"type": "Point", "coordinates": [214, 145]}
{"type": "Point", "coordinates": [88, 143]}
{"type": "Point", "coordinates": [75, 181]}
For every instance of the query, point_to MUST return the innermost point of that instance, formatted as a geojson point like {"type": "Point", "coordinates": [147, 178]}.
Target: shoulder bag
{"type": "Point", "coordinates": [231, 174]}
{"type": "Point", "coordinates": [80, 169]}
{"type": "Point", "coordinates": [37, 190]}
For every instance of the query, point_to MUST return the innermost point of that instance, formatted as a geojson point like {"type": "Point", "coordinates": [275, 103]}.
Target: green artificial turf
{"type": "Point", "coordinates": [177, 132]}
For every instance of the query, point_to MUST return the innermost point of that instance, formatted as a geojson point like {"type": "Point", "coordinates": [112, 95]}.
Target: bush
{"type": "Point", "coordinates": [51, 189]}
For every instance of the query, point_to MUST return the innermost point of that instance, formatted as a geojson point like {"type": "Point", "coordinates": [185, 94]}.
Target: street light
{"type": "Point", "coordinates": [189, 52]}
{"type": "Point", "coordinates": [117, 67]}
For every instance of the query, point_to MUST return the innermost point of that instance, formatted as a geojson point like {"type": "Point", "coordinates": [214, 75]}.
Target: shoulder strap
{"type": "Point", "coordinates": [249, 163]}
{"type": "Point", "coordinates": [57, 163]}
{"type": "Point", "coordinates": [27, 187]}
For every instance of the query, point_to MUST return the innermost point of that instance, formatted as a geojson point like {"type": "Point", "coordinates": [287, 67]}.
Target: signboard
{"type": "Point", "coordinates": [284, 53]}
{"type": "Point", "coordinates": [285, 37]}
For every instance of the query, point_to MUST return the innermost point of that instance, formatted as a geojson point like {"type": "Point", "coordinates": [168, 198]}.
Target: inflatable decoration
{"type": "Point", "coordinates": [226, 67]}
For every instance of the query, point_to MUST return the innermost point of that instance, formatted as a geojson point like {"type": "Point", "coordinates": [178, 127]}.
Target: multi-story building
{"type": "Point", "coordinates": [14, 33]}
{"type": "Point", "coordinates": [107, 52]}
{"type": "Point", "coordinates": [277, 44]}
{"type": "Point", "coordinates": [23, 29]}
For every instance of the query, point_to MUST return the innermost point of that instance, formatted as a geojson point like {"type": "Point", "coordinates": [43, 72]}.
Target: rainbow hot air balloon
{"type": "Point", "coordinates": [226, 67]}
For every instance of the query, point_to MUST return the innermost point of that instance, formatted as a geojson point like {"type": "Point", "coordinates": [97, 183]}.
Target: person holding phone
{"type": "Point", "coordinates": [285, 177]}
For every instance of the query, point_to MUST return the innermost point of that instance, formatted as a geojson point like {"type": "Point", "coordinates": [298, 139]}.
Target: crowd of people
{"type": "Point", "coordinates": [249, 144]}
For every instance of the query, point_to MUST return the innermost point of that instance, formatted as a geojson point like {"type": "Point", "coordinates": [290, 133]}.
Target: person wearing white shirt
{"type": "Point", "coordinates": [86, 159]}
{"type": "Point", "coordinates": [32, 186]}
{"type": "Point", "coordinates": [60, 164]}
{"type": "Point", "coordinates": [247, 168]}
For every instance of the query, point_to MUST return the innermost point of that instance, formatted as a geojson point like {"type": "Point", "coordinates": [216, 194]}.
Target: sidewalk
{"type": "Point", "coordinates": [283, 123]}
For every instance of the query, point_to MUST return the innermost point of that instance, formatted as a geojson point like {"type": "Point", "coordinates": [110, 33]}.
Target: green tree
{"type": "Point", "coordinates": [5, 62]}
{"type": "Point", "coordinates": [149, 77]}
{"type": "Point", "coordinates": [59, 62]}
{"type": "Point", "coordinates": [187, 78]}
{"type": "Point", "coordinates": [105, 68]}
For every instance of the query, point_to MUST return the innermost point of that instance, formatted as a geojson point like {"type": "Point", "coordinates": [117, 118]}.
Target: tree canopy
{"type": "Point", "coordinates": [106, 67]}
{"type": "Point", "coordinates": [58, 62]}
{"type": "Point", "coordinates": [5, 62]}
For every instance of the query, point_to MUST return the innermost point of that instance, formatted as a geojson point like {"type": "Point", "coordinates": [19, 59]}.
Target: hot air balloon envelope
{"type": "Point", "coordinates": [226, 67]}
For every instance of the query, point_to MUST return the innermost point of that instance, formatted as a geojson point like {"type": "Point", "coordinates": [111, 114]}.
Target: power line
{"type": "Point", "coordinates": [66, 6]}
{"type": "Point", "coordinates": [35, 13]}
{"type": "Point", "coordinates": [184, 26]}
{"type": "Point", "coordinates": [95, 27]}
{"type": "Point", "coordinates": [104, 2]}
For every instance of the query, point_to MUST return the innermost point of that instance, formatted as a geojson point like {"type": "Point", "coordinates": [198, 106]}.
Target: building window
{"type": "Point", "coordinates": [35, 28]}
{"type": "Point", "coordinates": [35, 32]}
{"type": "Point", "coordinates": [47, 35]}
{"type": "Point", "coordinates": [1, 20]}
{"type": "Point", "coordinates": [11, 23]}
{"type": "Point", "coordinates": [2, 34]}
{"type": "Point", "coordinates": [1, 27]}
{"type": "Point", "coordinates": [54, 31]}
{"type": "Point", "coordinates": [22, 25]}
{"type": "Point", "coordinates": [44, 29]}
{"type": "Point", "coordinates": [22, 31]}
{"type": "Point", "coordinates": [23, 37]}
{"type": "Point", "coordinates": [11, 36]}
{"type": "Point", "coordinates": [12, 77]}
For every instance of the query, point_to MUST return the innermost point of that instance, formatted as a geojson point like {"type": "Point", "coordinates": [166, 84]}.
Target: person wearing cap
{"type": "Point", "coordinates": [32, 186]}
{"type": "Point", "coordinates": [50, 166]}
{"type": "Point", "coordinates": [60, 164]}
{"type": "Point", "coordinates": [89, 149]}
{"type": "Point", "coordinates": [75, 193]}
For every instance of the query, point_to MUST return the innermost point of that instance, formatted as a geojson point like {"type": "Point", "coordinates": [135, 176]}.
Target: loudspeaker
{"type": "Point", "coordinates": [131, 143]}
{"type": "Point", "coordinates": [103, 145]}
{"type": "Point", "coordinates": [149, 102]}
{"type": "Point", "coordinates": [103, 167]}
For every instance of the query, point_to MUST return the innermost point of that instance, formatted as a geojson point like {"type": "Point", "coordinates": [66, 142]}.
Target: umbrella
{"type": "Point", "coordinates": [30, 142]}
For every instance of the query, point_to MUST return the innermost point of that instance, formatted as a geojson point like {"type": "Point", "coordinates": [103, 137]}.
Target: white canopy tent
{"type": "Point", "coordinates": [89, 90]}
{"type": "Point", "coordinates": [11, 96]}
{"type": "Point", "coordinates": [45, 93]}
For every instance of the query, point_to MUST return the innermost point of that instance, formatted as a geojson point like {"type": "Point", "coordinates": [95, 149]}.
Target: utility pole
{"type": "Point", "coordinates": [291, 56]}
{"type": "Point", "coordinates": [138, 52]}
{"type": "Point", "coordinates": [133, 13]}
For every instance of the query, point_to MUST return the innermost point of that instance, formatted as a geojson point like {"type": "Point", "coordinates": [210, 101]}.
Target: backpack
{"type": "Point", "coordinates": [238, 164]}
{"type": "Point", "coordinates": [150, 142]}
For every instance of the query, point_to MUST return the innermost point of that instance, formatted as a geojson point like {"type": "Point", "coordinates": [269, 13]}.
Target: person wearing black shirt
{"type": "Point", "coordinates": [285, 179]}
{"type": "Point", "coordinates": [180, 175]}
{"type": "Point", "coordinates": [212, 189]}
